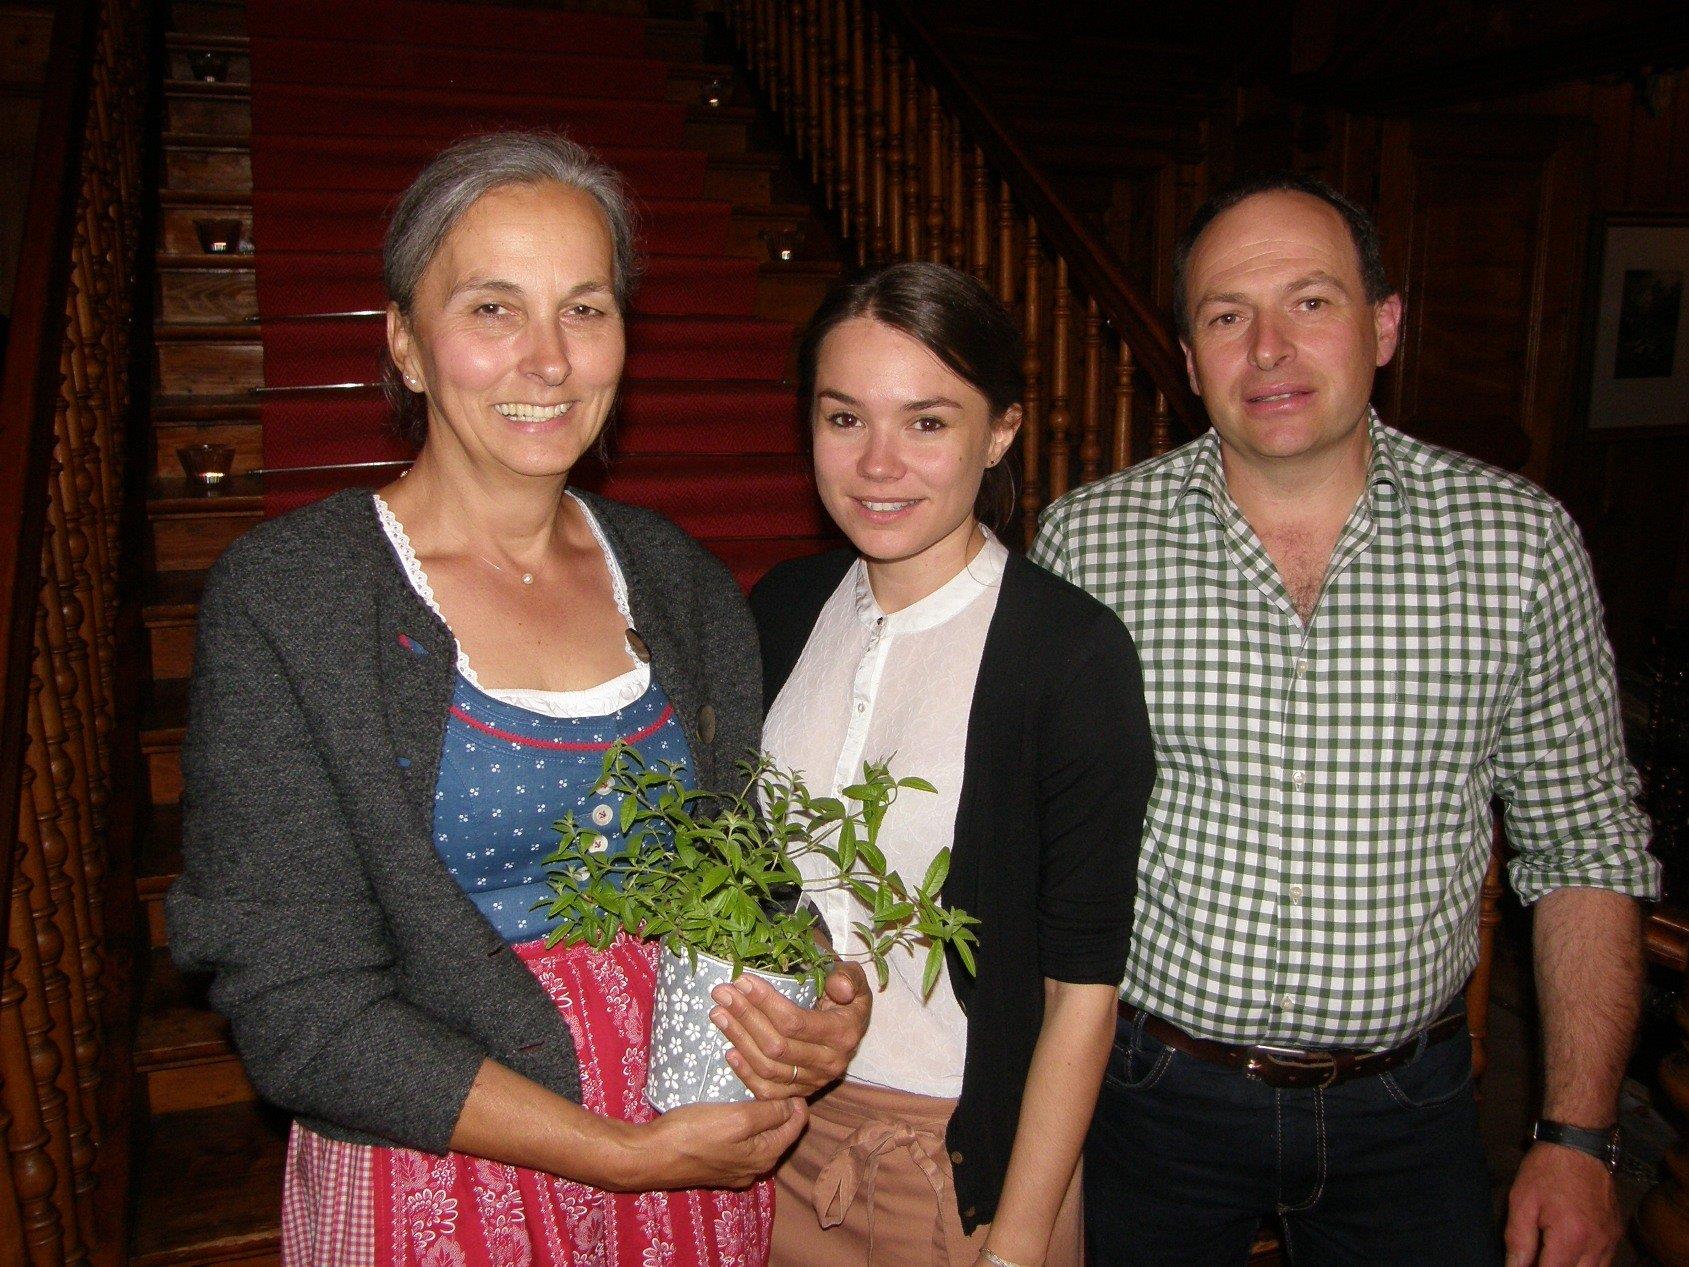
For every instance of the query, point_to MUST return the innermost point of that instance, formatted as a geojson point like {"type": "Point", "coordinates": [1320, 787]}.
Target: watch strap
{"type": "Point", "coordinates": [1603, 1145]}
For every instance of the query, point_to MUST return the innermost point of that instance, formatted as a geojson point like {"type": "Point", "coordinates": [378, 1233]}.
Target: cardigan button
{"type": "Point", "coordinates": [956, 1160]}
{"type": "Point", "coordinates": [971, 1212]}
{"type": "Point", "coordinates": [706, 724]}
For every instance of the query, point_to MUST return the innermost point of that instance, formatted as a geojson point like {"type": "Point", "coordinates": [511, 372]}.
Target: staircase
{"type": "Point", "coordinates": [707, 408]}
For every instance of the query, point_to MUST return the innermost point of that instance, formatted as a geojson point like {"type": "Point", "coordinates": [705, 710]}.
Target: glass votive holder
{"type": "Point", "coordinates": [219, 237]}
{"type": "Point", "coordinates": [717, 92]}
{"type": "Point", "coordinates": [209, 67]}
{"type": "Point", "coordinates": [206, 463]}
{"type": "Point", "coordinates": [783, 242]}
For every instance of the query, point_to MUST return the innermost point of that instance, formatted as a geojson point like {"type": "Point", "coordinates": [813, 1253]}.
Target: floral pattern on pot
{"type": "Point", "coordinates": [688, 1053]}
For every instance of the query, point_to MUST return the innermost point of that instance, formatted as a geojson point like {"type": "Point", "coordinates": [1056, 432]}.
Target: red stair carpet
{"type": "Point", "coordinates": [351, 97]}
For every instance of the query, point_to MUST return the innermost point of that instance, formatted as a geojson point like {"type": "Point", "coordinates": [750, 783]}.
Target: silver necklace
{"type": "Point", "coordinates": [527, 577]}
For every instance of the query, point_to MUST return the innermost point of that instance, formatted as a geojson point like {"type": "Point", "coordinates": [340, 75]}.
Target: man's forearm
{"type": "Point", "coordinates": [1588, 949]}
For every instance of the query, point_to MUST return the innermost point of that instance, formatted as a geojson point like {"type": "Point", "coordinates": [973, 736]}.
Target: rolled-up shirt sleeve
{"type": "Point", "coordinates": [1572, 798]}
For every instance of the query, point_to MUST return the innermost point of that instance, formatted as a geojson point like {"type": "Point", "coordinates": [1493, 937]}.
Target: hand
{"type": "Point", "coordinates": [1563, 1211]}
{"type": "Point", "coordinates": [712, 1145]}
{"type": "Point", "coordinates": [781, 1049]}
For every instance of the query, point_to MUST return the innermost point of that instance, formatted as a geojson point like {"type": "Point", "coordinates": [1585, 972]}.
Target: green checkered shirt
{"type": "Point", "coordinates": [1320, 827]}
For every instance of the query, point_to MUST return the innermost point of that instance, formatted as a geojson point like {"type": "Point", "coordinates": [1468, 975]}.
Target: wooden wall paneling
{"type": "Point", "coordinates": [896, 239]}
{"type": "Point", "coordinates": [1652, 181]}
{"type": "Point", "coordinates": [1478, 214]}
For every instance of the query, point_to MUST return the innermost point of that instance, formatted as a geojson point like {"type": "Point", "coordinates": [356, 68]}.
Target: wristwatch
{"type": "Point", "coordinates": [1602, 1145]}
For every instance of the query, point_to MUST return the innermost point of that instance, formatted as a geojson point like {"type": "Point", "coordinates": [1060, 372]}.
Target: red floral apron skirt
{"type": "Point", "coordinates": [348, 1205]}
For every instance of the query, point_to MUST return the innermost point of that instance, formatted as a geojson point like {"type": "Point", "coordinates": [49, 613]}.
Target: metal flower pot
{"type": "Point", "coordinates": [688, 1053]}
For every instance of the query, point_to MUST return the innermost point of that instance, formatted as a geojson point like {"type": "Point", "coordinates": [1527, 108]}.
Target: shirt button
{"type": "Point", "coordinates": [1301, 667]}
{"type": "Point", "coordinates": [1295, 892]}
{"type": "Point", "coordinates": [1286, 1002]}
{"type": "Point", "coordinates": [1297, 778]}
{"type": "Point", "coordinates": [861, 707]}
{"type": "Point", "coordinates": [602, 814]}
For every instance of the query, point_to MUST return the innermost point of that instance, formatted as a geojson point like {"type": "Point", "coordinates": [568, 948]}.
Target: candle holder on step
{"type": "Point", "coordinates": [716, 93]}
{"type": "Point", "coordinates": [783, 242]}
{"type": "Point", "coordinates": [206, 464]}
{"type": "Point", "coordinates": [220, 236]}
{"type": "Point", "coordinates": [209, 67]}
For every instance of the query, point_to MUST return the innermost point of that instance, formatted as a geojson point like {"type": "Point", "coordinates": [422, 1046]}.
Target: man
{"type": "Point", "coordinates": [1351, 641]}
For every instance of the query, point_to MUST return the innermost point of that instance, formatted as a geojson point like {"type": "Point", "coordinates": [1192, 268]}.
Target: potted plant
{"type": "Point", "coordinates": [715, 879]}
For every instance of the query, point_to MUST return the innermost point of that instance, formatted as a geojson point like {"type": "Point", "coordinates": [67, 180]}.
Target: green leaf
{"type": "Point", "coordinates": [937, 872]}
{"type": "Point", "coordinates": [934, 965]}
{"type": "Point", "coordinates": [916, 785]}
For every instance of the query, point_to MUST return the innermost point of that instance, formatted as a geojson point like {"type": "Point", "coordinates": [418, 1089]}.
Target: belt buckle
{"type": "Point", "coordinates": [1300, 1060]}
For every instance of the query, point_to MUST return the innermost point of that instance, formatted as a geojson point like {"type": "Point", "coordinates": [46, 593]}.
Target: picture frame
{"type": "Point", "coordinates": [1638, 352]}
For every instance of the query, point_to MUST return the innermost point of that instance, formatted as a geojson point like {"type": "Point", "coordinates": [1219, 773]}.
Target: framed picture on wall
{"type": "Point", "coordinates": [1639, 365]}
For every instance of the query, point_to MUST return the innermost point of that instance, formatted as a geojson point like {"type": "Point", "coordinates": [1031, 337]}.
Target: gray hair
{"type": "Point", "coordinates": [452, 183]}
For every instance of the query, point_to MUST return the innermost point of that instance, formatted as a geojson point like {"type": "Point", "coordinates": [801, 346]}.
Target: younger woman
{"type": "Point", "coordinates": [956, 1134]}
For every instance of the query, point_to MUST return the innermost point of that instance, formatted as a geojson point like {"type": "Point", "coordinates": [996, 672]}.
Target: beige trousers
{"type": "Point", "coordinates": [869, 1185]}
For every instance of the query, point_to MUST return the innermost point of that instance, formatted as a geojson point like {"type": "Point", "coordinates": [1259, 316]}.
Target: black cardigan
{"type": "Point", "coordinates": [1058, 754]}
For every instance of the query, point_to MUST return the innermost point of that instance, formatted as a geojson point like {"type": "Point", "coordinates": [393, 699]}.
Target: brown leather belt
{"type": "Point", "coordinates": [1289, 1066]}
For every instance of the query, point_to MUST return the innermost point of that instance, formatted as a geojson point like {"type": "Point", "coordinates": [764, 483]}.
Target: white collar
{"type": "Point", "coordinates": [983, 572]}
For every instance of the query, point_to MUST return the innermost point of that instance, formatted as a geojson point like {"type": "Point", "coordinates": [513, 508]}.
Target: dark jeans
{"type": "Point", "coordinates": [1186, 1159]}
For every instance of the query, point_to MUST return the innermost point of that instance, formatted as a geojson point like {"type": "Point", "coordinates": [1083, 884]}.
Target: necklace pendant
{"type": "Point", "coordinates": [527, 578]}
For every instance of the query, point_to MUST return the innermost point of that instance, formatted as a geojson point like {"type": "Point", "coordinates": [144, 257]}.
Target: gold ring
{"type": "Point", "coordinates": [794, 1078]}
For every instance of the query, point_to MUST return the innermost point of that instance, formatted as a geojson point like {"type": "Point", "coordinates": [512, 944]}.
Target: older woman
{"type": "Point", "coordinates": [396, 695]}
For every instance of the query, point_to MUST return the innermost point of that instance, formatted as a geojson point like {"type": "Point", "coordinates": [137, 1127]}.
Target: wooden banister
{"type": "Point", "coordinates": [912, 163]}
{"type": "Point", "coordinates": [64, 398]}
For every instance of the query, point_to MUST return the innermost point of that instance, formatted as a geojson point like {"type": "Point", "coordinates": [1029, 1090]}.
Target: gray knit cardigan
{"type": "Point", "coordinates": [364, 988]}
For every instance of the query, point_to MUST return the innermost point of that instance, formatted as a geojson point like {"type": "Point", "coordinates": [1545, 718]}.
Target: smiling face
{"type": "Point", "coordinates": [514, 332]}
{"type": "Point", "coordinates": [901, 445]}
{"type": "Point", "coordinates": [1284, 344]}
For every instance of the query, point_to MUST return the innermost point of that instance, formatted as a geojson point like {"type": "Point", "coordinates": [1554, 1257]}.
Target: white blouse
{"type": "Point", "coordinates": [871, 686]}
{"type": "Point", "coordinates": [594, 701]}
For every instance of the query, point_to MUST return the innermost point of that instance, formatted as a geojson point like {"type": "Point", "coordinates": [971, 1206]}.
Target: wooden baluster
{"type": "Point", "coordinates": [45, 1013]}
{"type": "Point", "coordinates": [912, 134]}
{"type": "Point", "coordinates": [35, 1179]}
{"type": "Point", "coordinates": [956, 201]}
{"type": "Point", "coordinates": [1061, 422]}
{"type": "Point", "coordinates": [879, 238]}
{"type": "Point", "coordinates": [1005, 244]}
{"type": "Point", "coordinates": [85, 407]}
{"type": "Point", "coordinates": [66, 788]}
{"type": "Point", "coordinates": [859, 132]}
{"type": "Point", "coordinates": [896, 245]}
{"type": "Point", "coordinates": [1160, 427]}
{"type": "Point", "coordinates": [1091, 403]}
{"type": "Point", "coordinates": [935, 172]}
{"type": "Point", "coordinates": [844, 166]}
{"type": "Point", "coordinates": [797, 90]}
{"type": "Point", "coordinates": [1032, 408]}
{"type": "Point", "coordinates": [53, 866]}
{"type": "Point", "coordinates": [979, 233]}
{"type": "Point", "coordinates": [829, 112]}
{"type": "Point", "coordinates": [1123, 389]}
{"type": "Point", "coordinates": [773, 54]}
{"type": "Point", "coordinates": [815, 104]}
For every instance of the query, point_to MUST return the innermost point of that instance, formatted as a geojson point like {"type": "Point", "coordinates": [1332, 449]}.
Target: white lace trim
{"type": "Point", "coordinates": [595, 701]}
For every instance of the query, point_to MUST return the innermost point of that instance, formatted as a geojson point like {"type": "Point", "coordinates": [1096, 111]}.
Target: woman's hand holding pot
{"type": "Point", "coordinates": [712, 1145]}
{"type": "Point", "coordinates": [781, 1049]}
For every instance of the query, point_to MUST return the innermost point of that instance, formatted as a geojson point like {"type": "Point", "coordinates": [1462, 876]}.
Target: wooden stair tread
{"type": "Point", "coordinates": [176, 1027]}
{"type": "Point", "coordinates": [209, 1185]}
{"type": "Point", "coordinates": [186, 41]}
{"type": "Point", "coordinates": [164, 712]}
{"type": "Point", "coordinates": [172, 595]}
{"type": "Point", "coordinates": [227, 407]}
{"type": "Point", "coordinates": [159, 853]}
{"type": "Point", "coordinates": [173, 495]}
